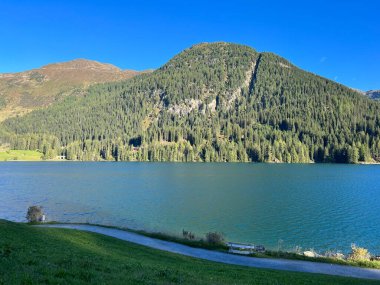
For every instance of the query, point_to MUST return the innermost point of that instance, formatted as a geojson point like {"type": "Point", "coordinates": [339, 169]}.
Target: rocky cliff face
{"type": "Point", "coordinates": [373, 94]}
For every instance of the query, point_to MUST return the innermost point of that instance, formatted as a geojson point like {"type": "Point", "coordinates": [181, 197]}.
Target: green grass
{"type": "Point", "coordinates": [30, 255]}
{"type": "Point", "coordinates": [201, 243]}
{"type": "Point", "coordinates": [29, 155]}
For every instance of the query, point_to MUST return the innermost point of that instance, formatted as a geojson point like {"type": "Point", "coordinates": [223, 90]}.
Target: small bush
{"type": "Point", "coordinates": [188, 235]}
{"type": "Point", "coordinates": [359, 254]}
{"type": "Point", "coordinates": [214, 238]}
{"type": "Point", "coordinates": [34, 214]}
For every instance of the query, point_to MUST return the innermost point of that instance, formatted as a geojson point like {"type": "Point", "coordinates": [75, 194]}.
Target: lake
{"type": "Point", "coordinates": [319, 206]}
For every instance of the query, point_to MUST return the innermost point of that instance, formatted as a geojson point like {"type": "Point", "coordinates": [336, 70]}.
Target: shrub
{"type": "Point", "coordinates": [214, 238]}
{"type": "Point", "coordinates": [188, 235]}
{"type": "Point", "coordinates": [34, 214]}
{"type": "Point", "coordinates": [358, 253]}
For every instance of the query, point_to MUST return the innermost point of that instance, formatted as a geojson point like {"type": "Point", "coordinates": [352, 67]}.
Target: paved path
{"type": "Point", "coordinates": [268, 263]}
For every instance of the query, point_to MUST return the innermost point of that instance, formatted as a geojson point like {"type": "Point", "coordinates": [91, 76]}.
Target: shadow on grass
{"type": "Point", "coordinates": [32, 255]}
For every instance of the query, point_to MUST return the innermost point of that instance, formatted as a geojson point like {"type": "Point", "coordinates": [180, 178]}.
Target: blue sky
{"type": "Point", "coordinates": [337, 39]}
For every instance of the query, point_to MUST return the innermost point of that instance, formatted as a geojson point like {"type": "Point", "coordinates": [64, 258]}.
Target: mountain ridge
{"type": "Point", "coordinates": [211, 102]}
{"type": "Point", "coordinates": [23, 92]}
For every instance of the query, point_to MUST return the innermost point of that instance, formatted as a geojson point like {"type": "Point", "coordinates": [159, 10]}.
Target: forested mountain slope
{"type": "Point", "coordinates": [212, 102]}
{"type": "Point", "coordinates": [23, 92]}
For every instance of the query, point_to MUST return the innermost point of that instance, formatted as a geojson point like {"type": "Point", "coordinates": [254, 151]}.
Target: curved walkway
{"type": "Point", "coordinates": [268, 263]}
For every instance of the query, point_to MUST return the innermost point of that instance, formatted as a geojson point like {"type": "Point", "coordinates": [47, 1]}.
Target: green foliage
{"type": "Point", "coordinates": [34, 214]}
{"type": "Point", "coordinates": [215, 238]}
{"type": "Point", "coordinates": [212, 102]}
{"type": "Point", "coordinates": [23, 155]}
{"type": "Point", "coordinates": [35, 75]}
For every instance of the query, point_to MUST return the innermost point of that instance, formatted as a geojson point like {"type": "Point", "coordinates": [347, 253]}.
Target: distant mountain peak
{"type": "Point", "coordinates": [83, 64]}
{"type": "Point", "coordinates": [373, 94]}
{"type": "Point", "coordinates": [23, 92]}
{"type": "Point", "coordinates": [211, 102]}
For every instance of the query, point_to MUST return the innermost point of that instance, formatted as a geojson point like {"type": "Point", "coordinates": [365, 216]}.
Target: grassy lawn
{"type": "Point", "coordinates": [29, 155]}
{"type": "Point", "coordinates": [31, 255]}
{"type": "Point", "coordinates": [200, 242]}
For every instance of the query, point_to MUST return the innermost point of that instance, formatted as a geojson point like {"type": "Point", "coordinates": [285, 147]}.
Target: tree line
{"type": "Point", "coordinates": [283, 114]}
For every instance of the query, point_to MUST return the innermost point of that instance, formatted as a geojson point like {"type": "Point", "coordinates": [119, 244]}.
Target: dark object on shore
{"type": "Point", "coordinates": [214, 238]}
{"type": "Point", "coordinates": [375, 258]}
{"type": "Point", "coordinates": [188, 235]}
{"type": "Point", "coordinates": [240, 248]}
{"type": "Point", "coordinates": [259, 248]}
{"type": "Point", "coordinates": [35, 214]}
{"type": "Point", "coordinates": [244, 248]}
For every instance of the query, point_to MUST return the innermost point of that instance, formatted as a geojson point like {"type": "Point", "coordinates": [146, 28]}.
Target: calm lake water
{"type": "Point", "coordinates": [318, 206]}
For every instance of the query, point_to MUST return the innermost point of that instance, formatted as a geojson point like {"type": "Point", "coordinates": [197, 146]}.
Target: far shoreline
{"type": "Point", "coordinates": [195, 162]}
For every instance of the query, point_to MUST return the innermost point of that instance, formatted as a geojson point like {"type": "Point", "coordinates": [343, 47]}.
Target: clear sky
{"type": "Point", "coordinates": [338, 39]}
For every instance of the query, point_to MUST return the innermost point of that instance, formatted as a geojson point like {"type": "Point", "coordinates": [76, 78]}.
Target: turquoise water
{"type": "Point", "coordinates": [321, 206]}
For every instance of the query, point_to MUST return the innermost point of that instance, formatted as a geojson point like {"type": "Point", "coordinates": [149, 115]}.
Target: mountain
{"type": "Point", "coordinates": [373, 94]}
{"type": "Point", "coordinates": [211, 102]}
{"type": "Point", "coordinates": [23, 92]}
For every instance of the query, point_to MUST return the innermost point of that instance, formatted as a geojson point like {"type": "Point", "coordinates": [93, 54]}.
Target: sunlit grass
{"type": "Point", "coordinates": [200, 242]}
{"type": "Point", "coordinates": [30, 255]}
{"type": "Point", "coordinates": [28, 155]}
